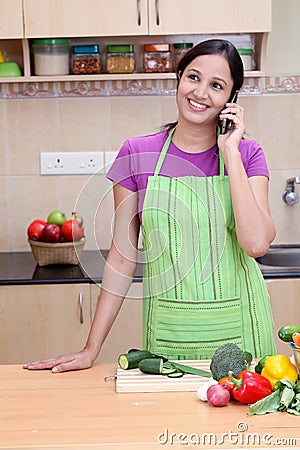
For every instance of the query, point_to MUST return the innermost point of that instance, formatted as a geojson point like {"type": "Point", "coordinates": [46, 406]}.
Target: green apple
{"type": "Point", "coordinates": [57, 217]}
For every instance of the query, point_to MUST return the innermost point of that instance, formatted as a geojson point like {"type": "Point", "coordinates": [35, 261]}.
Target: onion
{"type": "Point", "coordinates": [218, 395]}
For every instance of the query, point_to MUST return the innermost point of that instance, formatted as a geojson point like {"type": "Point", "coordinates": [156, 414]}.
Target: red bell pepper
{"type": "Point", "coordinates": [250, 387]}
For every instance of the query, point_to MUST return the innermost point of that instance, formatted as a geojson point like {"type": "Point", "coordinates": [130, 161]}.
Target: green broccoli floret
{"type": "Point", "coordinates": [228, 357]}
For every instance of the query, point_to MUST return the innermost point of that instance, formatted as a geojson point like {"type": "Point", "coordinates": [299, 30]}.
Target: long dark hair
{"type": "Point", "coordinates": [213, 47]}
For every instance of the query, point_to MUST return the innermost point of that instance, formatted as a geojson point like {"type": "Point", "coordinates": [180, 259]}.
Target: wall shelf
{"type": "Point", "coordinates": [167, 21]}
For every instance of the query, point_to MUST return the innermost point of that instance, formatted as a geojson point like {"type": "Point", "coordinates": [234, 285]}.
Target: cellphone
{"type": "Point", "coordinates": [226, 124]}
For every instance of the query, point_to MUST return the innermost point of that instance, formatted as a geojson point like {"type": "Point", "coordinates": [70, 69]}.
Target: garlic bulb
{"type": "Point", "coordinates": [202, 390]}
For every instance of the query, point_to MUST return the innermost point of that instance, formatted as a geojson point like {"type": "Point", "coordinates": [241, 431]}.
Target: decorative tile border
{"type": "Point", "coordinates": [277, 85]}
{"type": "Point", "coordinates": [144, 87]}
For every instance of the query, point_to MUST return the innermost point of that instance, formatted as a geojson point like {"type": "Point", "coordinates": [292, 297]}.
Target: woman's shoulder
{"type": "Point", "coordinates": [150, 142]}
{"type": "Point", "coordinates": [253, 158]}
{"type": "Point", "coordinates": [249, 145]}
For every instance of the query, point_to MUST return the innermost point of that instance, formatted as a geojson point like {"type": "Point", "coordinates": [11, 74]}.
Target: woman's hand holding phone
{"type": "Point", "coordinates": [226, 124]}
{"type": "Point", "coordinates": [229, 142]}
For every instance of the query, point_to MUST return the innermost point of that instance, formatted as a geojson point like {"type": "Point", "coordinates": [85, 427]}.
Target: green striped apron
{"type": "Point", "coordinates": [200, 288]}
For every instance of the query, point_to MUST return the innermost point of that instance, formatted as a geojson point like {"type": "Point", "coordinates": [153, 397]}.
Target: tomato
{"type": "Point", "coordinates": [35, 229]}
{"type": "Point", "coordinates": [57, 217]}
{"type": "Point", "coordinates": [226, 381]}
{"type": "Point", "coordinates": [72, 230]}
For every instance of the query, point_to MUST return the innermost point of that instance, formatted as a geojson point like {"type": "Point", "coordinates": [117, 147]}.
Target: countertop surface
{"type": "Point", "coordinates": [80, 410]}
{"type": "Point", "coordinates": [21, 268]}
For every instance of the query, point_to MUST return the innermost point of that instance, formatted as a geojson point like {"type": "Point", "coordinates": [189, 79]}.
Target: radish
{"type": "Point", "coordinates": [218, 395]}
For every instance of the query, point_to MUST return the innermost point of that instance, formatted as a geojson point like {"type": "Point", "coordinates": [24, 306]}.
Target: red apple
{"type": "Point", "coordinates": [51, 233]}
{"type": "Point", "coordinates": [35, 229]}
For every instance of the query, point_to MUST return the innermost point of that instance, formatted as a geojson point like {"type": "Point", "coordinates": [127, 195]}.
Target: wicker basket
{"type": "Point", "coordinates": [59, 253]}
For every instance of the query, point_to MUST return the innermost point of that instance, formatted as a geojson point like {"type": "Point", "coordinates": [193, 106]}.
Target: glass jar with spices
{"type": "Point", "coordinates": [180, 49]}
{"type": "Point", "coordinates": [120, 59]}
{"type": "Point", "coordinates": [157, 58]}
{"type": "Point", "coordinates": [86, 59]}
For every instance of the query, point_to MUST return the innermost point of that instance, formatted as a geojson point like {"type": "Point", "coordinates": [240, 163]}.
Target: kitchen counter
{"type": "Point", "coordinates": [79, 410]}
{"type": "Point", "coordinates": [20, 268]}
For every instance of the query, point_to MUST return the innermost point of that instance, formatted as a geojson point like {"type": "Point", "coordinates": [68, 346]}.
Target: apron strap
{"type": "Point", "coordinates": [165, 149]}
{"type": "Point", "coordinates": [163, 153]}
{"type": "Point", "coordinates": [221, 165]}
{"type": "Point", "coordinates": [221, 162]}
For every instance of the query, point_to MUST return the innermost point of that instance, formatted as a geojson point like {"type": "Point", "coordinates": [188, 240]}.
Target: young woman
{"type": "Point", "coordinates": [201, 201]}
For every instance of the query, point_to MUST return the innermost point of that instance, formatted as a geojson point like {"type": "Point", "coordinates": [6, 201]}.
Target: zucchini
{"type": "Point", "coordinates": [168, 370]}
{"type": "Point", "coordinates": [131, 360]}
{"type": "Point", "coordinates": [152, 365]}
{"type": "Point", "coordinates": [176, 374]}
{"type": "Point", "coordinates": [285, 333]}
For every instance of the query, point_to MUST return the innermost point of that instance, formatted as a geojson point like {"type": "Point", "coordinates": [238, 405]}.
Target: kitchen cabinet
{"type": "Point", "coordinates": [126, 332]}
{"type": "Point", "coordinates": [11, 19]}
{"type": "Point", "coordinates": [41, 321]}
{"type": "Point", "coordinates": [204, 17]}
{"type": "Point", "coordinates": [285, 303]}
{"type": "Point", "coordinates": [69, 18]}
{"type": "Point", "coordinates": [140, 21]}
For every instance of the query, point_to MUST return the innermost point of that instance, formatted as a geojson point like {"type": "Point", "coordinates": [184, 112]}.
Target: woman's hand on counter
{"type": "Point", "coordinates": [73, 361]}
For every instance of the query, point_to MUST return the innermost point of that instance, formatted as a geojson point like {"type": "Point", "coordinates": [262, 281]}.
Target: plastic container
{"type": "Point", "coordinates": [85, 59]}
{"type": "Point", "coordinates": [157, 58]}
{"type": "Point", "coordinates": [10, 69]}
{"type": "Point", "coordinates": [120, 59]}
{"type": "Point", "coordinates": [180, 50]}
{"type": "Point", "coordinates": [246, 55]}
{"type": "Point", "coordinates": [51, 56]}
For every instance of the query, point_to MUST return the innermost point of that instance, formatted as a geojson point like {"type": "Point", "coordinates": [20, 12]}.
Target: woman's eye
{"type": "Point", "coordinates": [217, 86]}
{"type": "Point", "coordinates": [193, 77]}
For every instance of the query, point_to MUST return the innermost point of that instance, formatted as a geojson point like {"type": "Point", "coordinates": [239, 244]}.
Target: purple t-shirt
{"type": "Point", "coordinates": [138, 156]}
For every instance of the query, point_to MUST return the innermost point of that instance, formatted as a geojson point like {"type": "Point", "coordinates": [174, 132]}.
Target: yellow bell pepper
{"type": "Point", "coordinates": [279, 367]}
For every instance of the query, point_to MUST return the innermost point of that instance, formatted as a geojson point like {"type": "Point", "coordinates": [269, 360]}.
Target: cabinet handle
{"type": "Point", "coordinates": [139, 19]}
{"type": "Point", "coordinates": [81, 307]}
{"type": "Point", "coordinates": [157, 12]}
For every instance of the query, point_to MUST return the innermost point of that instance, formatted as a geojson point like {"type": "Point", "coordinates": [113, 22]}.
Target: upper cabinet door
{"type": "Point", "coordinates": [204, 16]}
{"type": "Point", "coordinates": [68, 18]}
{"type": "Point", "coordinates": [11, 19]}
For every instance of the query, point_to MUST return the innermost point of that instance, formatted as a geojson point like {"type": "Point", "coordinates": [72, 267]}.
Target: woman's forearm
{"type": "Point", "coordinates": [117, 277]}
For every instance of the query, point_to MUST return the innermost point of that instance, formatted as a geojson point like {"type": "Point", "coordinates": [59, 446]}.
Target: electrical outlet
{"type": "Point", "coordinates": [71, 163]}
{"type": "Point", "coordinates": [109, 158]}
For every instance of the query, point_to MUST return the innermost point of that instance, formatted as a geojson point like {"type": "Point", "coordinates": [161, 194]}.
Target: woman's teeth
{"type": "Point", "coordinates": [197, 105]}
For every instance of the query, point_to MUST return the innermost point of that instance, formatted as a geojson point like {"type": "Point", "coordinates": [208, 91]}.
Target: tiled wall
{"type": "Point", "coordinates": [61, 118]}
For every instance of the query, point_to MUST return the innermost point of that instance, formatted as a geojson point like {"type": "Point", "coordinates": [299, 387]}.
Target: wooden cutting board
{"type": "Point", "coordinates": [135, 381]}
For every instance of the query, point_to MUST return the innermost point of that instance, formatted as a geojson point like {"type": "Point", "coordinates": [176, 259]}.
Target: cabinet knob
{"type": "Point", "coordinates": [81, 320]}
{"type": "Point", "coordinates": [139, 19]}
{"type": "Point", "coordinates": [157, 12]}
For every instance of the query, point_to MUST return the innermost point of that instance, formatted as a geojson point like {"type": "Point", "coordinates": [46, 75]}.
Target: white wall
{"type": "Point", "coordinates": [283, 48]}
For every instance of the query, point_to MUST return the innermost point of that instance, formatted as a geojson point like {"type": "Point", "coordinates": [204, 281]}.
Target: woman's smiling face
{"type": "Point", "coordinates": [204, 88]}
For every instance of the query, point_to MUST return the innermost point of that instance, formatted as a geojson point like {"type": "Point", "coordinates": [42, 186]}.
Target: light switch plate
{"type": "Point", "coordinates": [71, 163]}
